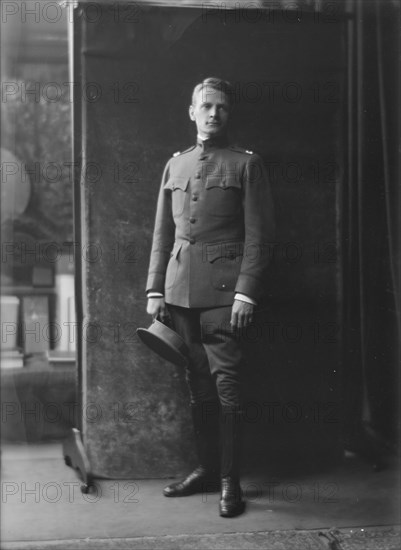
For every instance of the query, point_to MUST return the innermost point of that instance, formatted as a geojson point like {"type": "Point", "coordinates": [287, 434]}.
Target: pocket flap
{"type": "Point", "coordinates": [177, 183]}
{"type": "Point", "coordinates": [229, 250]}
{"type": "Point", "coordinates": [176, 250]}
{"type": "Point", "coordinates": [224, 182]}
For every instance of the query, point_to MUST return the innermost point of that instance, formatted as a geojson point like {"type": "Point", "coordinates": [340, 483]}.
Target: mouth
{"type": "Point", "coordinates": [213, 123]}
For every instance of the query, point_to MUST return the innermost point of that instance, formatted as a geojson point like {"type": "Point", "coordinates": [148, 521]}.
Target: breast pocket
{"type": "Point", "coordinates": [224, 196]}
{"type": "Point", "coordinates": [178, 187]}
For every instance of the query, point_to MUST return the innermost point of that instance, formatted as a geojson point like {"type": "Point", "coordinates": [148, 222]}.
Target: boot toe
{"type": "Point", "coordinates": [231, 501]}
{"type": "Point", "coordinates": [174, 490]}
{"type": "Point", "coordinates": [198, 481]}
{"type": "Point", "coordinates": [232, 509]}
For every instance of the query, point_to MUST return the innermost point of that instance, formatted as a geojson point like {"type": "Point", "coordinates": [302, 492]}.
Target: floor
{"type": "Point", "coordinates": [345, 508]}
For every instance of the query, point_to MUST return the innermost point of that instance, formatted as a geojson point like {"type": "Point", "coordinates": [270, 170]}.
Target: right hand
{"type": "Point", "coordinates": [157, 307]}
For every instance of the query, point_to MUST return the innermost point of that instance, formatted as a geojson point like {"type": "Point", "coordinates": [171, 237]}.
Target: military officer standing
{"type": "Point", "coordinates": [209, 256]}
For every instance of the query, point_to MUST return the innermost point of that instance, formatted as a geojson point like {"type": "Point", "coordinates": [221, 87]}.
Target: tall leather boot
{"type": "Point", "coordinates": [205, 478]}
{"type": "Point", "coordinates": [231, 501]}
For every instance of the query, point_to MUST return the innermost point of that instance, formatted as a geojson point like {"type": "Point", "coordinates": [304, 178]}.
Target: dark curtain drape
{"type": "Point", "coordinates": [370, 213]}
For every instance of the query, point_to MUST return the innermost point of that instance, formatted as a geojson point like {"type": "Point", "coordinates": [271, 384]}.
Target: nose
{"type": "Point", "coordinates": [214, 111]}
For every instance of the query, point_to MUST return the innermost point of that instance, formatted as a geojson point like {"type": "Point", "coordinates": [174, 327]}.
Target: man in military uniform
{"type": "Point", "coordinates": [214, 222]}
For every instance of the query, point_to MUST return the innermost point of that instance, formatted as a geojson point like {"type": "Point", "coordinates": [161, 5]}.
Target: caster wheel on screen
{"type": "Point", "coordinates": [85, 488]}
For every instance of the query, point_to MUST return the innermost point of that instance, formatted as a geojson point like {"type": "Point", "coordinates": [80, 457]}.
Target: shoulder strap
{"type": "Point", "coordinates": [178, 153]}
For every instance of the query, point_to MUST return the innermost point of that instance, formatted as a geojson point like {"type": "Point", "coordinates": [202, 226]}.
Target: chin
{"type": "Point", "coordinates": [215, 131]}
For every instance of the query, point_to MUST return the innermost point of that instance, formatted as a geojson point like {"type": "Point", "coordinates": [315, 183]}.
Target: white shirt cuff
{"type": "Point", "coordinates": [243, 298]}
{"type": "Point", "coordinates": [238, 296]}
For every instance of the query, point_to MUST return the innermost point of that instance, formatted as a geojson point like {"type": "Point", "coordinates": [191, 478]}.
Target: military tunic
{"type": "Point", "coordinates": [214, 224]}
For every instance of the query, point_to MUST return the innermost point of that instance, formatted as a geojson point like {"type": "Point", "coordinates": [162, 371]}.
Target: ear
{"type": "Point", "coordinates": [191, 112]}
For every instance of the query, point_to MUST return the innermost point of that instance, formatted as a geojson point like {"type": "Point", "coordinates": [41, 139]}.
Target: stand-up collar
{"type": "Point", "coordinates": [212, 143]}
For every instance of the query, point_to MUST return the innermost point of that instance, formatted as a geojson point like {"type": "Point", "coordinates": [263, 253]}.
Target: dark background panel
{"type": "Point", "coordinates": [289, 107]}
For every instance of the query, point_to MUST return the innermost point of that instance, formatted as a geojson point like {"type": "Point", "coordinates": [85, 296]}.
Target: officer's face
{"type": "Point", "coordinates": [210, 111]}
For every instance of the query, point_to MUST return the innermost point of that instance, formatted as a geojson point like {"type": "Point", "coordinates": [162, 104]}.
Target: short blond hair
{"type": "Point", "coordinates": [213, 83]}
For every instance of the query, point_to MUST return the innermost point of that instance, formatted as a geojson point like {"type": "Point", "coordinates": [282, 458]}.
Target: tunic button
{"type": "Point", "coordinates": [223, 286]}
{"type": "Point", "coordinates": [192, 220]}
{"type": "Point", "coordinates": [192, 240]}
{"type": "Point", "coordinates": [194, 197]}
{"type": "Point", "coordinates": [197, 175]}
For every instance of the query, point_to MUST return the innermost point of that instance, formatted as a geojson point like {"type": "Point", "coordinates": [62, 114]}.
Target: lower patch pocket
{"type": "Point", "coordinates": [224, 272]}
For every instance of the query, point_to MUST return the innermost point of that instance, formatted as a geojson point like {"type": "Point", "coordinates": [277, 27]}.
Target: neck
{"type": "Point", "coordinates": [220, 139]}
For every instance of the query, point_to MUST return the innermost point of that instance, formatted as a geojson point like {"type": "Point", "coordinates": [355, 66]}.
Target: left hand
{"type": "Point", "coordinates": [241, 314]}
